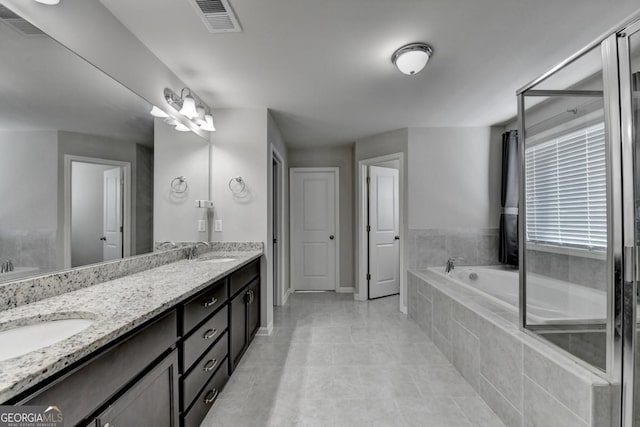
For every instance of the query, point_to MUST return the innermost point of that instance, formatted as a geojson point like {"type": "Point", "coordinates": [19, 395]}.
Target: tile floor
{"type": "Point", "coordinates": [332, 361]}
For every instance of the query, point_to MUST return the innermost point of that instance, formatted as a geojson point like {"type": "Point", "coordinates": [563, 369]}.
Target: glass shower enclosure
{"type": "Point", "coordinates": [579, 216]}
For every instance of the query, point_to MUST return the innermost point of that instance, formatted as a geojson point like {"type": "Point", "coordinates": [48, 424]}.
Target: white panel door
{"type": "Point", "coordinates": [314, 239]}
{"type": "Point", "coordinates": [112, 218]}
{"type": "Point", "coordinates": [384, 237]}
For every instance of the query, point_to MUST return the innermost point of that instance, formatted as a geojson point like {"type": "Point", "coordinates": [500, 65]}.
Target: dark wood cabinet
{"type": "Point", "coordinates": [167, 372]}
{"type": "Point", "coordinates": [238, 328]}
{"type": "Point", "coordinates": [151, 402]}
{"type": "Point", "coordinates": [253, 309]}
{"type": "Point", "coordinates": [244, 311]}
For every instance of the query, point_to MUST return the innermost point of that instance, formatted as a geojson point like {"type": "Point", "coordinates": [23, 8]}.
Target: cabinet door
{"type": "Point", "coordinates": [253, 308]}
{"type": "Point", "coordinates": [150, 402]}
{"type": "Point", "coordinates": [237, 328]}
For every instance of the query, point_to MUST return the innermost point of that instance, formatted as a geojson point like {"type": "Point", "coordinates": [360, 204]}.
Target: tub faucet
{"type": "Point", "coordinates": [193, 250]}
{"type": "Point", "coordinates": [6, 266]}
{"type": "Point", "coordinates": [450, 264]}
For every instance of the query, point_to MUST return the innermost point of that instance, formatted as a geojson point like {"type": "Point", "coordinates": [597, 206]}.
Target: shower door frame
{"type": "Point", "coordinates": [622, 252]}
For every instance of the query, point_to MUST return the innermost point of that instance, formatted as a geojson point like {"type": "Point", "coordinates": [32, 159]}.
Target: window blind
{"type": "Point", "coordinates": [566, 190]}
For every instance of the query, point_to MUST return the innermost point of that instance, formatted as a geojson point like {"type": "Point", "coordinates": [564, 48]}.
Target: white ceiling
{"type": "Point", "coordinates": [43, 85]}
{"type": "Point", "coordinates": [324, 67]}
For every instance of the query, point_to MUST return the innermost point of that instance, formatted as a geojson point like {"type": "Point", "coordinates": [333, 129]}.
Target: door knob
{"type": "Point", "coordinates": [396, 238]}
{"type": "Point", "coordinates": [332, 237]}
{"type": "Point", "coordinates": [103, 238]}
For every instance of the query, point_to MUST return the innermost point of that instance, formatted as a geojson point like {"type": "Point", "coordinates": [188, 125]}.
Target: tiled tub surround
{"type": "Point", "coordinates": [25, 291]}
{"type": "Point", "coordinates": [116, 306]}
{"type": "Point", "coordinates": [525, 382]}
{"type": "Point", "coordinates": [432, 247]}
{"type": "Point", "coordinates": [584, 271]}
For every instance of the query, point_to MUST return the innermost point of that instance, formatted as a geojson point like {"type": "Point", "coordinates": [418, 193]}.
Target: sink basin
{"type": "Point", "coordinates": [21, 340]}
{"type": "Point", "coordinates": [216, 259]}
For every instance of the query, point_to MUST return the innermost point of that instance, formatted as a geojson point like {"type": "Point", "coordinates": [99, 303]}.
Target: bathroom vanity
{"type": "Point", "coordinates": [160, 359]}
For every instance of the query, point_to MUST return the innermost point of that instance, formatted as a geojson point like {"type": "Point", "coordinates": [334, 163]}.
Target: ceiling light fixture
{"type": "Point", "coordinates": [49, 2]}
{"type": "Point", "coordinates": [412, 58]}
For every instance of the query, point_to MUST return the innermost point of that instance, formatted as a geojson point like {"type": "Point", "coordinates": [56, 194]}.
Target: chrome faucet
{"type": "Point", "coordinates": [450, 264]}
{"type": "Point", "coordinates": [193, 250]}
{"type": "Point", "coordinates": [163, 245]}
{"type": "Point", "coordinates": [6, 266]}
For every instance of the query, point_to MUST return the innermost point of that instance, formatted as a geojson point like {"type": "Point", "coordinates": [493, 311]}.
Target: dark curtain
{"type": "Point", "coordinates": [510, 183]}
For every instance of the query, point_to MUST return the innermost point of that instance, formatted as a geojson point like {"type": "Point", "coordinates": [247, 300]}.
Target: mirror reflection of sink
{"type": "Point", "coordinates": [21, 340]}
{"type": "Point", "coordinates": [216, 259]}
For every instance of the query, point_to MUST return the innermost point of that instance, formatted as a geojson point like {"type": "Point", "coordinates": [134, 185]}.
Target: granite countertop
{"type": "Point", "coordinates": [116, 307]}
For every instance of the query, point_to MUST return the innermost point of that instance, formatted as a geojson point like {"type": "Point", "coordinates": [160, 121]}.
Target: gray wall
{"type": "Point", "coordinates": [87, 212]}
{"type": "Point", "coordinates": [144, 200]}
{"type": "Point", "coordinates": [341, 157]}
{"type": "Point", "coordinates": [175, 217]}
{"type": "Point", "coordinates": [28, 175]}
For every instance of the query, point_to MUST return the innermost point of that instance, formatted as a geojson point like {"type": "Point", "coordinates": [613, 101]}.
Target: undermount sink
{"type": "Point", "coordinates": [21, 340]}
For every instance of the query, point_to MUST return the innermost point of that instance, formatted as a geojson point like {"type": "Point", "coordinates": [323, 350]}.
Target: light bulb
{"type": "Point", "coordinates": [182, 128]}
{"type": "Point", "coordinates": [49, 2]}
{"type": "Point", "coordinates": [156, 112]}
{"type": "Point", "coordinates": [208, 126]}
{"type": "Point", "coordinates": [189, 107]}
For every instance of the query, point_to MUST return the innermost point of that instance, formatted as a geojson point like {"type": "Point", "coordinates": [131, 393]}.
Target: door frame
{"type": "Point", "coordinates": [362, 251]}
{"type": "Point", "coordinates": [336, 172]}
{"type": "Point", "coordinates": [126, 202]}
{"type": "Point", "coordinates": [280, 288]}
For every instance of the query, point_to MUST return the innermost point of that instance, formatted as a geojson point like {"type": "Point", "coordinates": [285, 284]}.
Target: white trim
{"type": "Point", "coordinates": [265, 331]}
{"type": "Point", "coordinates": [403, 309]}
{"type": "Point", "coordinates": [361, 223]}
{"type": "Point", "coordinates": [336, 171]}
{"type": "Point", "coordinates": [286, 296]}
{"type": "Point", "coordinates": [283, 286]}
{"type": "Point", "coordinates": [126, 235]}
{"type": "Point", "coordinates": [566, 250]}
{"type": "Point", "coordinates": [345, 290]}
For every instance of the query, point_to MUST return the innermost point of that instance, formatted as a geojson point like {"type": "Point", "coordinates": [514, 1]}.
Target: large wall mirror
{"type": "Point", "coordinates": [76, 158]}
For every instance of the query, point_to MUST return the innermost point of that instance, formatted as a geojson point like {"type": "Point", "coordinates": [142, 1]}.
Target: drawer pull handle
{"type": "Point", "coordinates": [210, 334]}
{"type": "Point", "coordinates": [211, 396]}
{"type": "Point", "coordinates": [209, 302]}
{"type": "Point", "coordinates": [210, 365]}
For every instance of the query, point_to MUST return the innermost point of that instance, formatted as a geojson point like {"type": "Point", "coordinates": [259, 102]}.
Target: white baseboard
{"type": "Point", "coordinates": [265, 332]}
{"type": "Point", "coordinates": [345, 290]}
{"type": "Point", "coordinates": [358, 297]}
{"type": "Point", "coordinates": [286, 296]}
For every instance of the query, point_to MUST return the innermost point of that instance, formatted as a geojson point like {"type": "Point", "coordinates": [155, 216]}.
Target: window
{"type": "Point", "coordinates": [565, 179]}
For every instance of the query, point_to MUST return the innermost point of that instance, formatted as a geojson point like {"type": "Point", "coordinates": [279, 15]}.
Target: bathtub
{"type": "Point", "coordinates": [549, 301]}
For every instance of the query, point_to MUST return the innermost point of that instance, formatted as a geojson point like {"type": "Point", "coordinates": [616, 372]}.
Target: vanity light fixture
{"type": "Point", "coordinates": [412, 58]}
{"type": "Point", "coordinates": [49, 2]}
{"type": "Point", "coordinates": [191, 107]}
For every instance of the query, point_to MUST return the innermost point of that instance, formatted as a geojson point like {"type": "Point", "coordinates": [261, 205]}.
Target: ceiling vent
{"type": "Point", "coordinates": [217, 16]}
{"type": "Point", "coordinates": [18, 23]}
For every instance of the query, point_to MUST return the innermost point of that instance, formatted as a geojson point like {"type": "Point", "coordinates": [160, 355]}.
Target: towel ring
{"type": "Point", "coordinates": [179, 185]}
{"type": "Point", "coordinates": [240, 187]}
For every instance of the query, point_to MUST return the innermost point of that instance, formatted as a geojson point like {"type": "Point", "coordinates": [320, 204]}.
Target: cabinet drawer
{"type": "Point", "coordinates": [201, 306]}
{"type": "Point", "coordinates": [84, 389]}
{"type": "Point", "coordinates": [206, 399]}
{"type": "Point", "coordinates": [203, 370]}
{"type": "Point", "coordinates": [203, 337]}
{"type": "Point", "coordinates": [242, 277]}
